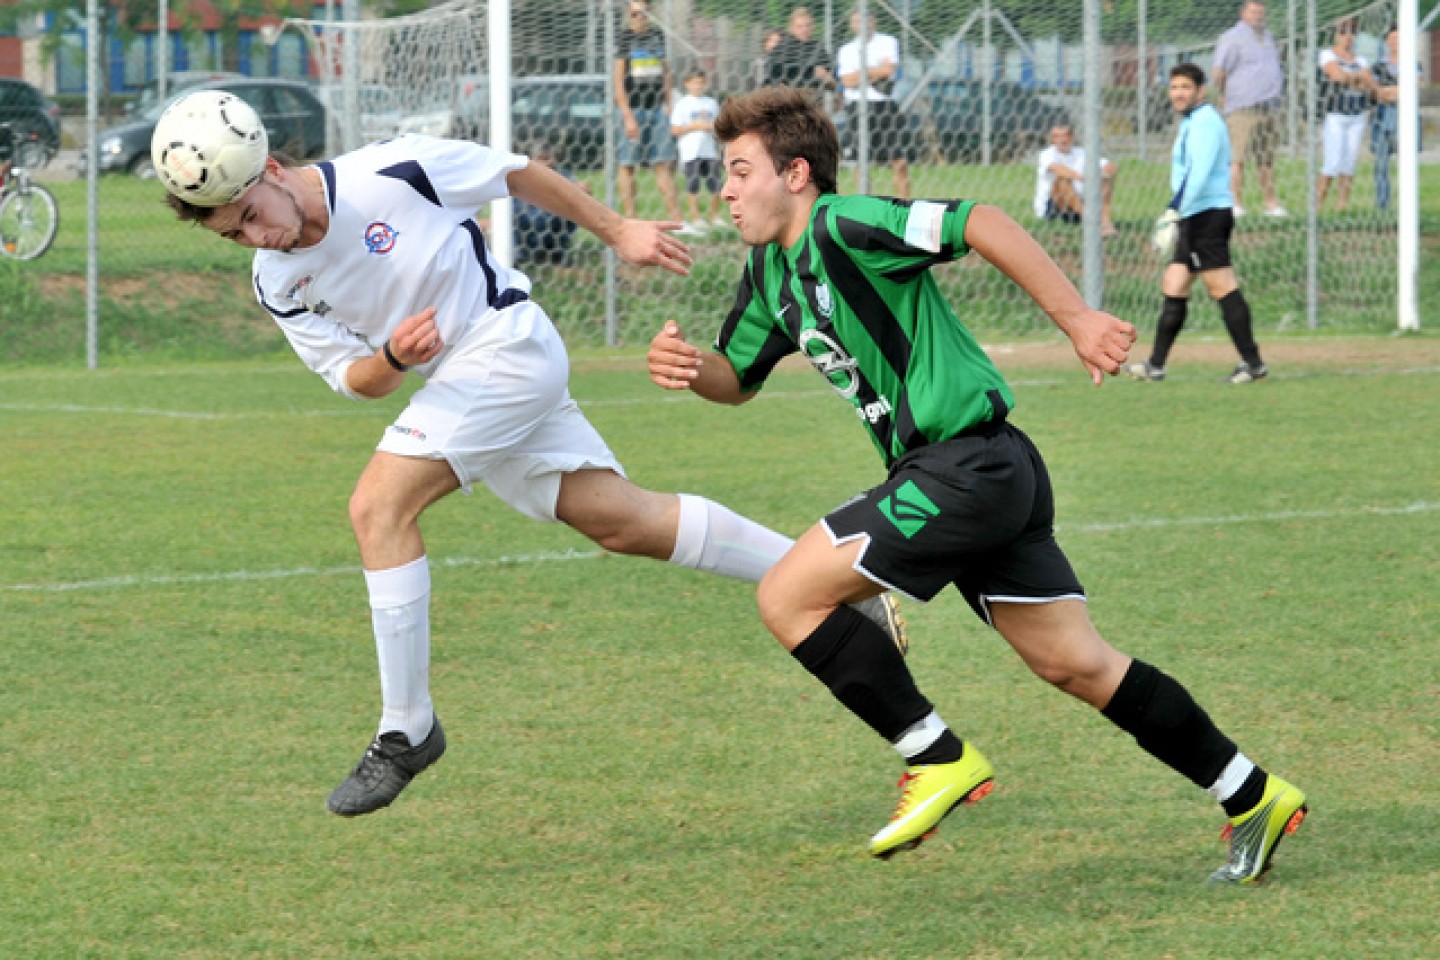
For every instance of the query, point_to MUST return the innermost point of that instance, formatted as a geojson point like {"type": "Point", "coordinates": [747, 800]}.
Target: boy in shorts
{"type": "Point", "coordinates": [693, 124]}
{"type": "Point", "coordinates": [1201, 210]}
{"type": "Point", "coordinates": [374, 267]}
{"type": "Point", "coordinates": [845, 282]}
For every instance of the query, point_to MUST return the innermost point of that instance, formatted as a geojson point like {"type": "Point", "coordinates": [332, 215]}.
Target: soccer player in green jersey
{"type": "Point", "coordinates": [846, 282]}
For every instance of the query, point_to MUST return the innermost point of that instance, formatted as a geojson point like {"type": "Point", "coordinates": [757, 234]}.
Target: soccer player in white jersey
{"type": "Point", "coordinates": [374, 267]}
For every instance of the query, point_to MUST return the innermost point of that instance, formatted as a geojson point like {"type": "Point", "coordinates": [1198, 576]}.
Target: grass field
{"type": "Point", "coordinates": [636, 770]}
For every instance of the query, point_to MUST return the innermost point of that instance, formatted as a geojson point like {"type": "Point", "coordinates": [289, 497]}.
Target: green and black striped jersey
{"type": "Point", "coordinates": [856, 297]}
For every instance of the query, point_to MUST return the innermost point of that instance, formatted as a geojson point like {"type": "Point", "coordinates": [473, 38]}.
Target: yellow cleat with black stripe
{"type": "Point", "coordinates": [1255, 834]}
{"type": "Point", "coordinates": [927, 795]}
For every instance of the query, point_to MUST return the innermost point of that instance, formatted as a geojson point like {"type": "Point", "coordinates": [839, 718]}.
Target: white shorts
{"type": "Point", "coordinates": [498, 409]}
{"type": "Point", "coordinates": [1341, 136]}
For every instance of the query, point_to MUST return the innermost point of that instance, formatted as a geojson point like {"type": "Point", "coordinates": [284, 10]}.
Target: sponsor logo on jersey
{"type": "Point", "coordinates": [908, 509]}
{"type": "Point", "coordinates": [298, 291]}
{"type": "Point", "coordinates": [380, 237]}
{"type": "Point", "coordinates": [832, 361]}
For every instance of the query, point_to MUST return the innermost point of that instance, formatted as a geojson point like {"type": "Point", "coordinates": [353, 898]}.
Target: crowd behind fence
{"type": "Point", "coordinates": [978, 93]}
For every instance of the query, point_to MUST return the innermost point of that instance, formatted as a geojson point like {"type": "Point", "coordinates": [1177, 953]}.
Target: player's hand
{"type": "Point", "coordinates": [649, 243]}
{"type": "Point", "coordinates": [417, 339]}
{"type": "Point", "coordinates": [1102, 342]}
{"type": "Point", "coordinates": [673, 362]}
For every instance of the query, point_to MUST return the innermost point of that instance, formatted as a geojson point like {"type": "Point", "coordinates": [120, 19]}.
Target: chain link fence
{"type": "Point", "coordinates": [977, 91]}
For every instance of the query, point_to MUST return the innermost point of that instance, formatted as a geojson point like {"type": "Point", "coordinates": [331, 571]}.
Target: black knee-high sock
{"type": "Point", "coordinates": [1172, 321]}
{"type": "Point", "coordinates": [1167, 722]}
{"type": "Point", "coordinates": [1236, 311]}
{"type": "Point", "coordinates": [854, 658]}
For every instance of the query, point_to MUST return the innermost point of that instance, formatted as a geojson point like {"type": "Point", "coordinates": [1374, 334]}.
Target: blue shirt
{"type": "Point", "coordinates": [1200, 163]}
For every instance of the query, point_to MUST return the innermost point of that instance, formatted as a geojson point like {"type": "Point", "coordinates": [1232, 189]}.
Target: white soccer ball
{"type": "Point", "coordinates": [209, 148]}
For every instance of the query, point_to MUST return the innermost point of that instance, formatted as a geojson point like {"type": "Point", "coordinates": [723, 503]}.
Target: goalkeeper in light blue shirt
{"type": "Point", "coordinates": [1194, 232]}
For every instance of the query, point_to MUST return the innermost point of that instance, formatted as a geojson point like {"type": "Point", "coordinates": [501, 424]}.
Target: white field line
{"type": "Point", "coordinates": [364, 410]}
{"type": "Point", "coordinates": [566, 556]}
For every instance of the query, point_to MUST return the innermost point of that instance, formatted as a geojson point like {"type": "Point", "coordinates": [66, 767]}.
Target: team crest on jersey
{"type": "Point", "coordinates": [380, 237]}
{"type": "Point", "coordinates": [823, 302]}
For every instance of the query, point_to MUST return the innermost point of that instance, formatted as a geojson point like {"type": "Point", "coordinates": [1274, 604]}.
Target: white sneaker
{"type": "Point", "coordinates": [1238, 211]}
{"type": "Point", "coordinates": [1276, 211]}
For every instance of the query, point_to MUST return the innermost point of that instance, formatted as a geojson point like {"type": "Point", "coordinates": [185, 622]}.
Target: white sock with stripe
{"type": "Point", "coordinates": [716, 539]}
{"type": "Point", "coordinates": [400, 614]}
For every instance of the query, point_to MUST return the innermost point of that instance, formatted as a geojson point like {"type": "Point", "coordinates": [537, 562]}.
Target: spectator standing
{"type": "Point", "coordinates": [1201, 216]}
{"type": "Point", "coordinates": [874, 58]}
{"type": "Point", "coordinates": [798, 59]}
{"type": "Point", "coordinates": [1346, 88]}
{"type": "Point", "coordinates": [1250, 81]}
{"type": "Point", "coordinates": [642, 94]}
{"type": "Point", "coordinates": [693, 124]}
{"type": "Point", "coordinates": [1060, 181]}
{"type": "Point", "coordinates": [1385, 119]}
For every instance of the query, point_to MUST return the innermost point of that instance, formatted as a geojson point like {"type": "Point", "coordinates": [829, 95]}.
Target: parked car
{"type": "Point", "coordinates": [34, 120]}
{"type": "Point", "coordinates": [562, 112]}
{"type": "Point", "coordinates": [386, 112]}
{"type": "Point", "coordinates": [947, 117]}
{"type": "Point", "coordinates": [294, 119]}
{"type": "Point", "coordinates": [176, 82]}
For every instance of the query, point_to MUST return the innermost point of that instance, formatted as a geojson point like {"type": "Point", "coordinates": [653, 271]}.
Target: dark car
{"type": "Point", "coordinates": [34, 119]}
{"type": "Point", "coordinates": [949, 117]}
{"type": "Point", "coordinates": [564, 113]}
{"type": "Point", "coordinates": [294, 119]}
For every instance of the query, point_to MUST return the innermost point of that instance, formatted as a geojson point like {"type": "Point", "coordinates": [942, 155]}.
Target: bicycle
{"type": "Point", "coordinates": [29, 216]}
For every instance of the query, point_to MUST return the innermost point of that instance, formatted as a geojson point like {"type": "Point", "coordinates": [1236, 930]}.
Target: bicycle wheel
{"type": "Point", "coordinates": [29, 220]}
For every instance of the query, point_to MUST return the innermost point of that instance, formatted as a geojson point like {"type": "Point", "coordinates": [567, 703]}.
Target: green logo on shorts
{"type": "Point", "coordinates": [908, 508]}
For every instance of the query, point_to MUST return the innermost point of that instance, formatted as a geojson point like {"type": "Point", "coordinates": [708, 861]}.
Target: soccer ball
{"type": "Point", "coordinates": [209, 148]}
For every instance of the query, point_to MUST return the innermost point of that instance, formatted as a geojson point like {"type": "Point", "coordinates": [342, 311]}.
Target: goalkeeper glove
{"type": "Point", "coordinates": [1167, 231]}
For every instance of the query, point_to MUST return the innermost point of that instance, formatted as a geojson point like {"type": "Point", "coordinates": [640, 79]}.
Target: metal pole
{"type": "Point", "coordinates": [1408, 192]}
{"type": "Point", "coordinates": [94, 43]}
{"type": "Point", "coordinates": [162, 54]}
{"type": "Point", "coordinates": [612, 119]}
{"type": "Point", "coordinates": [1312, 214]}
{"type": "Point", "coordinates": [862, 105]}
{"type": "Point", "coordinates": [1142, 79]}
{"type": "Point", "coordinates": [350, 77]}
{"type": "Point", "coordinates": [502, 233]}
{"type": "Point", "coordinates": [988, 70]}
{"type": "Point", "coordinates": [1092, 259]}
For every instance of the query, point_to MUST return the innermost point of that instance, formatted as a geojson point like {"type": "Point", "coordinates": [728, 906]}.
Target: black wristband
{"type": "Point", "coordinates": [391, 359]}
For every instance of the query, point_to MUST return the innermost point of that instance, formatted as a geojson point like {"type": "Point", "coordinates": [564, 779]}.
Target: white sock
{"type": "Point", "coordinates": [400, 613]}
{"type": "Point", "coordinates": [1232, 778]}
{"type": "Point", "coordinates": [920, 736]}
{"type": "Point", "coordinates": [716, 539]}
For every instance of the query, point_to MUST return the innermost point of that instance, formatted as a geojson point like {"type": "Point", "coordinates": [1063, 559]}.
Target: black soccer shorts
{"type": "Point", "coordinates": [1204, 241]}
{"type": "Point", "coordinates": [976, 511]}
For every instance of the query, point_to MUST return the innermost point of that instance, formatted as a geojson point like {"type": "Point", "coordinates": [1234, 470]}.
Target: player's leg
{"type": "Point", "coordinates": [1210, 258]}
{"type": "Point", "coordinates": [1060, 644]}
{"type": "Point", "coordinates": [1175, 288]}
{"type": "Point", "coordinates": [385, 508]}
{"type": "Point", "coordinates": [804, 601]}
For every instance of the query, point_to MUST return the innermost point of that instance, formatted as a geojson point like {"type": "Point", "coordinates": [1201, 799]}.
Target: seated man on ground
{"type": "Point", "coordinates": [1060, 181]}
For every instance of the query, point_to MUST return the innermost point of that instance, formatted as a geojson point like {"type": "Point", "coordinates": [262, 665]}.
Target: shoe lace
{"type": "Point", "coordinates": [906, 782]}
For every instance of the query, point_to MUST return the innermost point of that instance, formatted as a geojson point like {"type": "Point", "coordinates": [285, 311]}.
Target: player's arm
{"type": "Point", "coordinates": [640, 242]}
{"type": "Point", "coordinates": [415, 341]}
{"type": "Point", "coordinates": [677, 364]}
{"type": "Point", "coordinates": [1102, 341]}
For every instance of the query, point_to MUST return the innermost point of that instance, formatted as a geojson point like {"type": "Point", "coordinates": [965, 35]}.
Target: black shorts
{"type": "Point", "coordinates": [702, 171]}
{"type": "Point", "coordinates": [889, 130]}
{"type": "Point", "coordinates": [1204, 242]}
{"type": "Point", "coordinates": [976, 511]}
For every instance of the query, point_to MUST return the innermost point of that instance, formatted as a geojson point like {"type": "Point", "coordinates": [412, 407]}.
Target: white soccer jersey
{"type": "Point", "coordinates": [402, 237]}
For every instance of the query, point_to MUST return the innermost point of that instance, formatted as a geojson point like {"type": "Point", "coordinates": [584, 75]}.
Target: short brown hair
{"type": "Point", "coordinates": [790, 124]}
{"type": "Point", "coordinates": [194, 213]}
{"type": "Point", "coordinates": [1190, 72]}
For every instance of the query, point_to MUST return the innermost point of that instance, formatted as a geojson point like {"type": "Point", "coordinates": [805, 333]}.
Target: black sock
{"type": "Point", "coordinates": [946, 749]}
{"type": "Point", "coordinates": [1249, 794]}
{"type": "Point", "coordinates": [1236, 311]}
{"type": "Point", "coordinates": [1167, 722]}
{"type": "Point", "coordinates": [1172, 320]}
{"type": "Point", "coordinates": [855, 658]}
